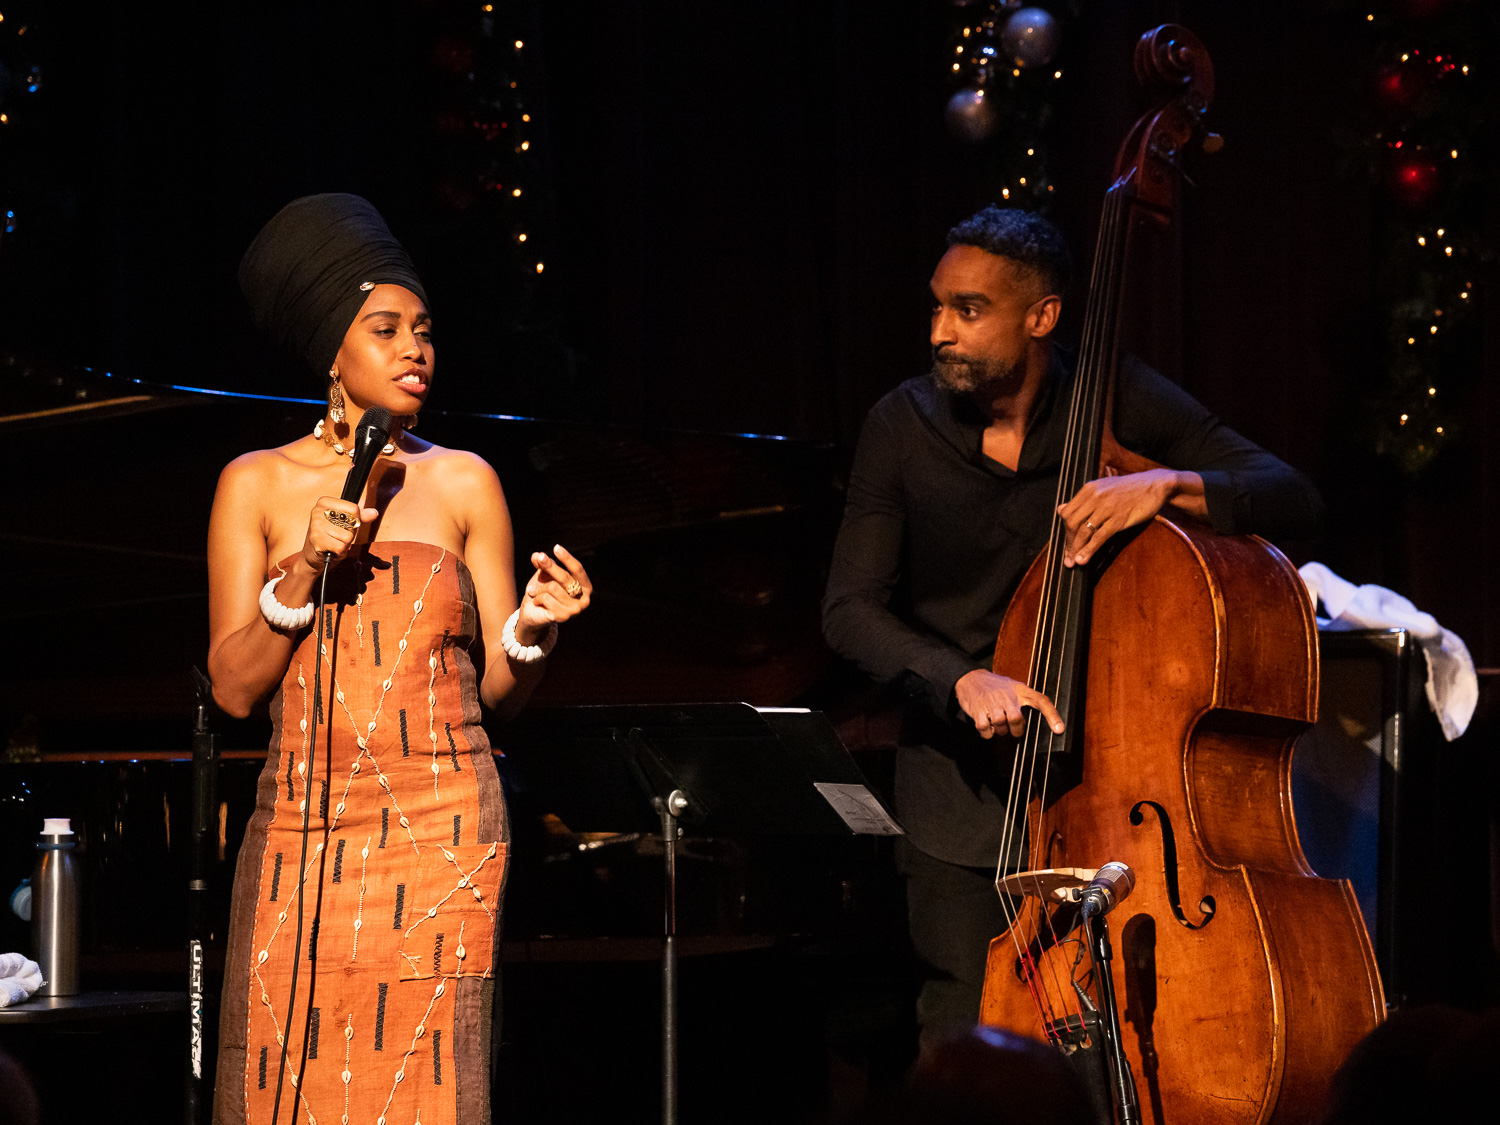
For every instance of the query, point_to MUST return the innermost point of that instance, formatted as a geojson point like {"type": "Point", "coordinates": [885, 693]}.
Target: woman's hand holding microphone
{"type": "Point", "coordinates": [331, 530]}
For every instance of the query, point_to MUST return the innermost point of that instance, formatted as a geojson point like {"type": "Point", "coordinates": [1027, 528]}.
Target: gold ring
{"type": "Point", "coordinates": [341, 519]}
{"type": "Point", "coordinates": [575, 588]}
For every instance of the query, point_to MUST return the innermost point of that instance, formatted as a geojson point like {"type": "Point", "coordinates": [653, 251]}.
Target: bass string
{"type": "Point", "coordinates": [1084, 454]}
{"type": "Point", "coordinates": [1085, 413]}
{"type": "Point", "coordinates": [1044, 640]}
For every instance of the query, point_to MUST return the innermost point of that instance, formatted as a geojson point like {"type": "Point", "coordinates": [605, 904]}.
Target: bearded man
{"type": "Point", "coordinates": [950, 498]}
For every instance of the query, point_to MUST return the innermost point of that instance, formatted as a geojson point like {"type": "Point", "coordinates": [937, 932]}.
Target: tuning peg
{"type": "Point", "coordinates": [1212, 143]}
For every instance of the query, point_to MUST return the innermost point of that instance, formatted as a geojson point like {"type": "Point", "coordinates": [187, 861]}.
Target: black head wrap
{"type": "Point", "coordinates": [311, 267]}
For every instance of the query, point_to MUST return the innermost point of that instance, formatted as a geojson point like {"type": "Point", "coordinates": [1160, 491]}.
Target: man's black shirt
{"type": "Point", "coordinates": [936, 537]}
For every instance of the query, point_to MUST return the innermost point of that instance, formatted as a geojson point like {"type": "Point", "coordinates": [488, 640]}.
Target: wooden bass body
{"type": "Point", "coordinates": [1243, 978]}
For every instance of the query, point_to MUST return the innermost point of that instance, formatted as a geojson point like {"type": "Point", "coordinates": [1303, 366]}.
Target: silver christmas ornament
{"type": "Point", "coordinates": [972, 116]}
{"type": "Point", "coordinates": [1029, 37]}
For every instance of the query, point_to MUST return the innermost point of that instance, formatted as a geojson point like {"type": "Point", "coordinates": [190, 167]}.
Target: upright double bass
{"type": "Point", "coordinates": [1187, 664]}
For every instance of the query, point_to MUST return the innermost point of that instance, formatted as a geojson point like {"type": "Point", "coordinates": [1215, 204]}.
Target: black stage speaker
{"type": "Point", "coordinates": [1363, 789]}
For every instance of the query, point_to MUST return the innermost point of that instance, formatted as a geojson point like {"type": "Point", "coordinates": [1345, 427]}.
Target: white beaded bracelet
{"type": "Point", "coordinates": [282, 617]}
{"type": "Point", "coordinates": [526, 654]}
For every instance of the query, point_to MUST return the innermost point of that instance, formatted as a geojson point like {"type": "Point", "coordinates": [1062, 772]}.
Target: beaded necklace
{"type": "Point", "coordinates": [327, 438]}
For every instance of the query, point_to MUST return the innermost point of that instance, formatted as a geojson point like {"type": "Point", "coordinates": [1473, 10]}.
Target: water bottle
{"type": "Point", "coordinates": [54, 908]}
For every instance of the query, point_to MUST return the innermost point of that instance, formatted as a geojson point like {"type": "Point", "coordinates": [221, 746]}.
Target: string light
{"type": "Point", "coordinates": [521, 237]}
{"type": "Point", "coordinates": [985, 72]}
{"type": "Point", "coordinates": [515, 192]}
{"type": "Point", "coordinates": [1410, 125]}
{"type": "Point", "coordinates": [539, 267]}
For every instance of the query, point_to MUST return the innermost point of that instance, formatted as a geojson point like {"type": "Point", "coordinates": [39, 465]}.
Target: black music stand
{"type": "Point", "coordinates": [725, 766]}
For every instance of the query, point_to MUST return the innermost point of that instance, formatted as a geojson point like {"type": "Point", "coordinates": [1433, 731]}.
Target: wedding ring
{"type": "Point", "coordinates": [1090, 526]}
{"type": "Point", "coordinates": [575, 588]}
{"type": "Point", "coordinates": [341, 519]}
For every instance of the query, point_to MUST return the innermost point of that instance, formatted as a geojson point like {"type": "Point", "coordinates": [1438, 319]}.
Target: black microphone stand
{"type": "Point", "coordinates": [1096, 935]}
{"type": "Point", "coordinates": [205, 779]}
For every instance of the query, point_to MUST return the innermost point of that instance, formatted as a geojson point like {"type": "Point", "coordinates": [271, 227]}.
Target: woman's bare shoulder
{"type": "Point", "coordinates": [457, 467]}
{"type": "Point", "coordinates": [268, 467]}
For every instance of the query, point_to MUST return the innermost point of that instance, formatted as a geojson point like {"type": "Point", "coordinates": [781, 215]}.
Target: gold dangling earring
{"type": "Point", "coordinates": [335, 399]}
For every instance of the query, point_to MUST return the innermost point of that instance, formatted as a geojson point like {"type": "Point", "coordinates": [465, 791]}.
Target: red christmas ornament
{"type": "Point", "coordinates": [1422, 9]}
{"type": "Point", "coordinates": [1398, 85]}
{"type": "Point", "coordinates": [453, 55]}
{"type": "Point", "coordinates": [1412, 178]}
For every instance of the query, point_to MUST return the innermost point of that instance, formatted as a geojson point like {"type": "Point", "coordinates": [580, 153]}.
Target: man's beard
{"type": "Point", "coordinates": [967, 374]}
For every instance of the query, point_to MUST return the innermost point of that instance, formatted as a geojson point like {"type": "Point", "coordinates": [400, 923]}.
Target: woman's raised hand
{"type": "Point", "coordinates": [332, 528]}
{"type": "Point", "coordinates": [560, 589]}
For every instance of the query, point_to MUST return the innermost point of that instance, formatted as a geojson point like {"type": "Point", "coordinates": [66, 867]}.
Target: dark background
{"type": "Point", "coordinates": [738, 210]}
{"type": "Point", "coordinates": [738, 207]}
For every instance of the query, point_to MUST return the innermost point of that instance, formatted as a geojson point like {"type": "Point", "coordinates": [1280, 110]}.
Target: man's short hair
{"type": "Point", "coordinates": [1023, 237]}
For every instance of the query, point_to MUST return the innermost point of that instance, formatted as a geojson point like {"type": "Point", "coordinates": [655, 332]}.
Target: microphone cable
{"type": "Point", "coordinates": [372, 432]}
{"type": "Point", "coordinates": [312, 743]}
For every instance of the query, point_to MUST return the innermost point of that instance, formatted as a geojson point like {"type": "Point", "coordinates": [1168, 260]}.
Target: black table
{"type": "Point", "coordinates": [91, 1008]}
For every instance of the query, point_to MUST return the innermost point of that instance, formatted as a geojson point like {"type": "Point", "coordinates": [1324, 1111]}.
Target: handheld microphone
{"type": "Point", "coordinates": [370, 437]}
{"type": "Point", "coordinates": [1111, 886]}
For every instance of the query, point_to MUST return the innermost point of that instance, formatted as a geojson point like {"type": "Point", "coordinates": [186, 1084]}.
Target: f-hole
{"type": "Point", "coordinates": [1169, 861]}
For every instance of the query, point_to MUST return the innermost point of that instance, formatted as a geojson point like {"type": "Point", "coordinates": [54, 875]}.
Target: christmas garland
{"type": "Point", "coordinates": [1427, 147]}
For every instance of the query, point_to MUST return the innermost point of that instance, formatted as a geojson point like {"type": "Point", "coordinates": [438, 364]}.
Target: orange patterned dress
{"type": "Point", "coordinates": [406, 860]}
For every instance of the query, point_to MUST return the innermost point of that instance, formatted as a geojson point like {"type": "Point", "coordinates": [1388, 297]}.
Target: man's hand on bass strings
{"type": "Point", "coordinates": [995, 702]}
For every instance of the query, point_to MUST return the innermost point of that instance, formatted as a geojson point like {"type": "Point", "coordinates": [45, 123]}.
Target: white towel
{"type": "Point", "coordinates": [19, 978]}
{"type": "Point", "coordinates": [1452, 686]}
